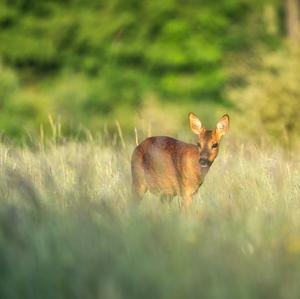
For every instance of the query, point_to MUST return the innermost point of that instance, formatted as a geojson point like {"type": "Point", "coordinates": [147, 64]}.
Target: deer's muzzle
{"type": "Point", "coordinates": [205, 163]}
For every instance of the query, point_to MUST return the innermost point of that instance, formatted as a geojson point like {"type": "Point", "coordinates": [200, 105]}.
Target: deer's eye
{"type": "Point", "coordinates": [215, 145]}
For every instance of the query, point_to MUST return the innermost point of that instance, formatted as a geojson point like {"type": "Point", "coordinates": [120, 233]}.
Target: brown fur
{"type": "Point", "coordinates": [169, 167]}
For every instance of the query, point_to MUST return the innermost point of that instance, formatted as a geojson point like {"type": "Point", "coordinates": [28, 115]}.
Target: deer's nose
{"type": "Point", "coordinates": [204, 162]}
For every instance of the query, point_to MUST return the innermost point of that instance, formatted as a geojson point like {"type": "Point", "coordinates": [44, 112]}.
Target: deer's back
{"type": "Point", "coordinates": [166, 165]}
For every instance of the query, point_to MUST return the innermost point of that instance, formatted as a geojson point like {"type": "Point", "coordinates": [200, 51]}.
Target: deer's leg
{"type": "Point", "coordinates": [139, 188]}
{"type": "Point", "coordinates": [166, 198]}
{"type": "Point", "coordinates": [139, 185]}
{"type": "Point", "coordinates": [186, 202]}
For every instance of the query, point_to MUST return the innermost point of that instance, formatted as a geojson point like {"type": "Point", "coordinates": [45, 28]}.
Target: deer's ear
{"type": "Point", "coordinates": [223, 125]}
{"type": "Point", "coordinates": [195, 123]}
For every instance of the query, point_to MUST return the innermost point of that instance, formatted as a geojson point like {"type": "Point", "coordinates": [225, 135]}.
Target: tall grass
{"type": "Point", "coordinates": [68, 227]}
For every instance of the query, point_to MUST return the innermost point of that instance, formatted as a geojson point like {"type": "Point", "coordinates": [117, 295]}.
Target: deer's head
{"type": "Point", "coordinates": [208, 140]}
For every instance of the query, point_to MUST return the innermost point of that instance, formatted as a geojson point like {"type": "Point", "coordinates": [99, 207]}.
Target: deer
{"type": "Point", "coordinates": [169, 167]}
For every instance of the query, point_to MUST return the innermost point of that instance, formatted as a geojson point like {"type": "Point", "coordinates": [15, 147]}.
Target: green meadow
{"type": "Point", "coordinates": [69, 228]}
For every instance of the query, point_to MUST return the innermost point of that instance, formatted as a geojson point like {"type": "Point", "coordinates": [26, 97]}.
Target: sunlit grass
{"type": "Point", "coordinates": [69, 229]}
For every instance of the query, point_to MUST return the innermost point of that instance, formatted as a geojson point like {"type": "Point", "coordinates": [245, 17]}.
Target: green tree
{"type": "Point", "coordinates": [85, 59]}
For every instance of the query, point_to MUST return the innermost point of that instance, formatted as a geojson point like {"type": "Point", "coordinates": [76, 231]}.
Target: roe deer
{"type": "Point", "coordinates": [171, 167]}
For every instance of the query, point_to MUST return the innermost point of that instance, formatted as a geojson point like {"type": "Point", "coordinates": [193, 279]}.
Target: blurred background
{"type": "Point", "coordinates": [145, 64]}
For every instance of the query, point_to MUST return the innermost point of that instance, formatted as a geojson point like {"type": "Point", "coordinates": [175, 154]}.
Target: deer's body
{"type": "Point", "coordinates": [169, 167]}
{"type": "Point", "coordinates": [166, 166]}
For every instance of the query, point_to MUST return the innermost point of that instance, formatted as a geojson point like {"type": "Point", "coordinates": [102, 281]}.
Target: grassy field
{"type": "Point", "coordinates": [68, 228]}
